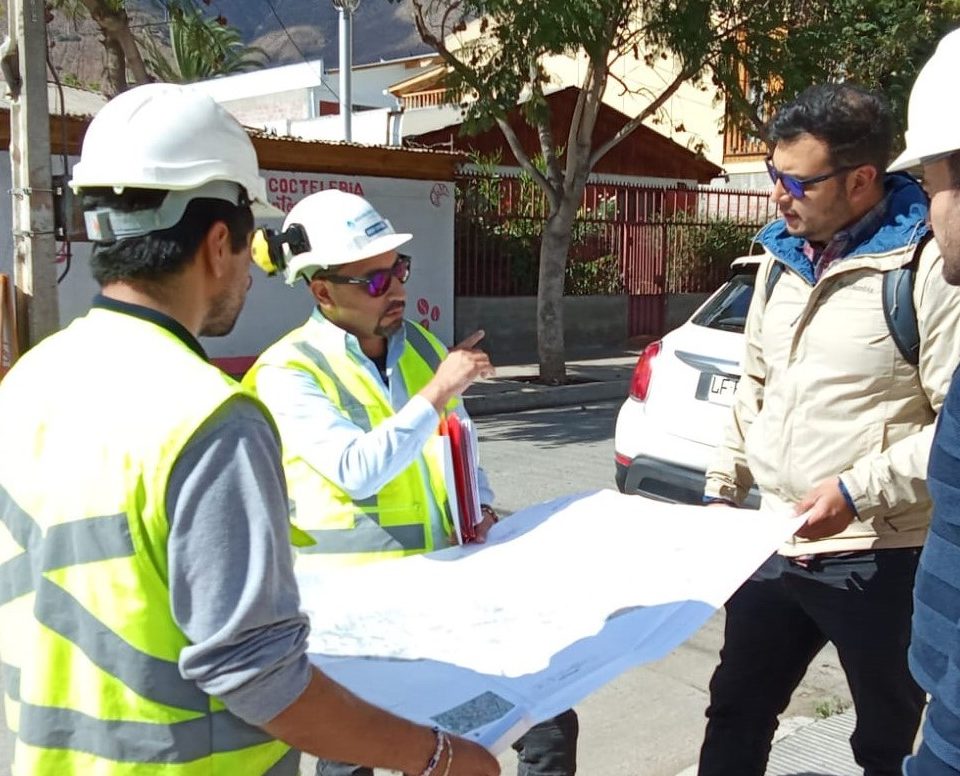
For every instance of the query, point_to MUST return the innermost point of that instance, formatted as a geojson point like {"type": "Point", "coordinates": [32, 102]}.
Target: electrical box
{"type": "Point", "coordinates": [68, 224]}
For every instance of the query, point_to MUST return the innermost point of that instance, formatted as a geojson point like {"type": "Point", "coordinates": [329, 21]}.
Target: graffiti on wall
{"type": "Point", "coordinates": [285, 191]}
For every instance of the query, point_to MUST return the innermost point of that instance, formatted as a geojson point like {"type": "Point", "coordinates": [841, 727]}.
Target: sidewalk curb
{"type": "Point", "coordinates": [806, 746]}
{"type": "Point", "coordinates": [535, 397]}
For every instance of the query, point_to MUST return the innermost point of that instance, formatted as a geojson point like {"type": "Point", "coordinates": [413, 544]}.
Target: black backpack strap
{"type": "Point", "coordinates": [899, 311]}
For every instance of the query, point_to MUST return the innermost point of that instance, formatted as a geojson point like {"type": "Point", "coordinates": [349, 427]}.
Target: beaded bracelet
{"type": "Point", "coordinates": [437, 753]}
{"type": "Point", "coordinates": [446, 771]}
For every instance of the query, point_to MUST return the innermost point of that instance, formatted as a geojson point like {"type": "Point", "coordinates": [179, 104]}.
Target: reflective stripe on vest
{"type": "Point", "coordinates": [422, 346]}
{"type": "Point", "coordinates": [359, 530]}
{"type": "Point", "coordinates": [144, 742]}
{"type": "Point", "coordinates": [96, 686]}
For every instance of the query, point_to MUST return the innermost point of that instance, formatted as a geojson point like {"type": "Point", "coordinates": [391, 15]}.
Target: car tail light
{"type": "Point", "coordinates": [640, 383]}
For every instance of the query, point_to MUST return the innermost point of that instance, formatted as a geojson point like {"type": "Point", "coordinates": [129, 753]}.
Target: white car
{"type": "Point", "coordinates": [680, 397]}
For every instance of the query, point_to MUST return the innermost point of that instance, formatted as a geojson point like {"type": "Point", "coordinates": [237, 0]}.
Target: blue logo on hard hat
{"type": "Point", "coordinates": [376, 228]}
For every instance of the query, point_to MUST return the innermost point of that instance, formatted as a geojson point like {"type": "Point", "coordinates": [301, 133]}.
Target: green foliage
{"type": "Point", "coordinates": [699, 252]}
{"type": "Point", "coordinates": [881, 45]}
{"type": "Point", "coordinates": [200, 47]}
{"type": "Point", "coordinates": [505, 62]}
{"type": "Point", "coordinates": [828, 707]}
{"type": "Point", "coordinates": [601, 276]}
{"type": "Point", "coordinates": [514, 232]}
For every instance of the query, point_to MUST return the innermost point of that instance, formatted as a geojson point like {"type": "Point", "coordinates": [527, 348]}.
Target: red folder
{"type": "Point", "coordinates": [464, 476]}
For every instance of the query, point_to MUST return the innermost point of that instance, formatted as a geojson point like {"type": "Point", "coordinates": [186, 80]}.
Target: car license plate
{"type": "Point", "coordinates": [717, 388]}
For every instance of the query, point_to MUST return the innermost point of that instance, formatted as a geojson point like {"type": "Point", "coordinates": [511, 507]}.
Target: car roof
{"type": "Point", "coordinates": [746, 261]}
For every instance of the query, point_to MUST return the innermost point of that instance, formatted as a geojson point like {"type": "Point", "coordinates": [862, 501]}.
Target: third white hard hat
{"type": "Point", "coordinates": [933, 116]}
{"type": "Point", "coordinates": [341, 228]}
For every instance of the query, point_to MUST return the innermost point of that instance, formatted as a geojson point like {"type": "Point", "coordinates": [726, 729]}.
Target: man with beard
{"type": "Point", "coordinates": [833, 417]}
{"type": "Point", "coordinates": [358, 393]}
{"type": "Point", "coordinates": [933, 142]}
{"type": "Point", "coordinates": [149, 616]}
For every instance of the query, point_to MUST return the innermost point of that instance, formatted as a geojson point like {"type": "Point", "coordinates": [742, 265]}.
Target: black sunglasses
{"type": "Point", "coordinates": [376, 282]}
{"type": "Point", "coordinates": [796, 187]}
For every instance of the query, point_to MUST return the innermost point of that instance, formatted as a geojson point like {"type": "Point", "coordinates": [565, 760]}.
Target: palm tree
{"type": "Point", "coordinates": [200, 47]}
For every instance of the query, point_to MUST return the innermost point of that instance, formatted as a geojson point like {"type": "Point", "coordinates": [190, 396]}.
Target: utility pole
{"type": "Point", "coordinates": [24, 60]}
{"type": "Point", "coordinates": [346, 9]}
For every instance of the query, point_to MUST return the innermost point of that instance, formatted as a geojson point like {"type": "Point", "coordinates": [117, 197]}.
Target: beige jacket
{"type": "Point", "coordinates": [825, 392]}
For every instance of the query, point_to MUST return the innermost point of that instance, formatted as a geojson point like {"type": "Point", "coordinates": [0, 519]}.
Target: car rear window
{"type": "Point", "coordinates": [727, 310]}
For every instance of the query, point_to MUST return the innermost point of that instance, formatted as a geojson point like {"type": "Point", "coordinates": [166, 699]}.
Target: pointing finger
{"type": "Point", "coordinates": [470, 340]}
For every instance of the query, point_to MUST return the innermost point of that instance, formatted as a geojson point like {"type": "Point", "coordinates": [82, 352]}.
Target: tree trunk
{"type": "Point", "coordinates": [554, 248]}
{"type": "Point", "coordinates": [115, 28]}
{"type": "Point", "coordinates": [114, 68]}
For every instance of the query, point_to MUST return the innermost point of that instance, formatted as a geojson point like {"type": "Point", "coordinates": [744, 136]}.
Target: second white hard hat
{"type": "Point", "coordinates": [933, 115]}
{"type": "Point", "coordinates": [169, 137]}
{"type": "Point", "coordinates": [341, 228]}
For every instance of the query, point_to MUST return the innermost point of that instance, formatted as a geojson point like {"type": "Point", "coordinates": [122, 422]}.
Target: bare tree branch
{"type": "Point", "coordinates": [115, 25]}
{"type": "Point", "coordinates": [545, 133]}
{"type": "Point", "coordinates": [523, 159]}
{"type": "Point", "coordinates": [579, 161]}
{"type": "Point", "coordinates": [635, 122]}
{"type": "Point", "coordinates": [469, 77]}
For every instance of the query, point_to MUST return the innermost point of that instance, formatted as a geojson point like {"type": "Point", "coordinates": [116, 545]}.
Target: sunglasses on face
{"type": "Point", "coordinates": [796, 187]}
{"type": "Point", "coordinates": [376, 282]}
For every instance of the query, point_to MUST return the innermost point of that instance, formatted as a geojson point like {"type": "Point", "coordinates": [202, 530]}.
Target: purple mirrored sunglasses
{"type": "Point", "coordinates": [376, 282]}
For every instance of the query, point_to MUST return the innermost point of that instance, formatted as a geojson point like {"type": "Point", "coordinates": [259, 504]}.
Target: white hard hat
{"type": "Point", "coordinates": [933, 116]}
{"type": "Point", "coordinates": [341, 228]}
{"type": "Point", "coordinates": [173, 138]}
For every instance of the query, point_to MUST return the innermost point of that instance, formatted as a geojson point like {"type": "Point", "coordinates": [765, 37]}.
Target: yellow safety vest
{"type": "Point", "coordinates": [88, 643]}
{"type": "Point", "coordinates": [394, 522]}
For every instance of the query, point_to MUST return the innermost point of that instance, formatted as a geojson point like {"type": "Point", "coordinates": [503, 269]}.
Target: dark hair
{"type": "Point", "coordinates": [856, 124]}
{"type": "Point", "coordinates": [954, 162]}
{"type": "Point", "coordinates": [165, 252]}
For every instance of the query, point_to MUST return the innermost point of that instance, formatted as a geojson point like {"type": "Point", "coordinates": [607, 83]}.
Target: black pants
{"type": "Point", "coordinates": [547, 749]}
{"type": "Point", "coordinates": [778, 621]}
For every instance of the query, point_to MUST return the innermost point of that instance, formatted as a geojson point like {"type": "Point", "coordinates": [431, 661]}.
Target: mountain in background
{"type": "Point", "coordinates": [381, 30]}
{"type": "Point", "coordinates": [287, 30]}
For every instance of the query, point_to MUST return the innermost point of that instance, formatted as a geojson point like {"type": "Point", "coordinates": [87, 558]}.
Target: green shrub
{"type": "Point", "coordinates": [699, 252]}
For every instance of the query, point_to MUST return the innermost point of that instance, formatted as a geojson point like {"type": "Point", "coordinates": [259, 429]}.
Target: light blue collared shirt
{"type": "Point", "coordinates": [359, 462]}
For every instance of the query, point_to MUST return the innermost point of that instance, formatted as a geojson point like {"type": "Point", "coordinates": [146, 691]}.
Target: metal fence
{"type": "Point", "coordinates": [637, 240]}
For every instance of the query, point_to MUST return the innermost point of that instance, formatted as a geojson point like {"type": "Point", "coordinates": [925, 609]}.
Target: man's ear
{"type": "Point", "coordinates": [217, 249]}
{"type": "Point", "coordinates": [862, 180]}
{"type": "Point", "coordinates": [321, 293]}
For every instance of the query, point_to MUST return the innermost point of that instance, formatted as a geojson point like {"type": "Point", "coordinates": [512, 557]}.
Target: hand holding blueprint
{"type": "Point", "coordinates": [486, 640]}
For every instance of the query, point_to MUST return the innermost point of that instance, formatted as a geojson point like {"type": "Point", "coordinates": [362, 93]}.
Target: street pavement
{"type": "Point", "coordinates": [594, 377]}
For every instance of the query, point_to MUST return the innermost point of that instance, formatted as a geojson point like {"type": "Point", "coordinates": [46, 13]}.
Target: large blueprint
{"type": "Point", "coordinates": [487, 640]}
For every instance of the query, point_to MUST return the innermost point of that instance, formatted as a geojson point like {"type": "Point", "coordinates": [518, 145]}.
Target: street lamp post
{"type": "Point", "coordinates": [346, 9]}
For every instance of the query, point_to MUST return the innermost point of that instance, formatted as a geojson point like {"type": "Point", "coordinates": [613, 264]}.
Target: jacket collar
{"type": "Point", "coordinates": [904, 224]}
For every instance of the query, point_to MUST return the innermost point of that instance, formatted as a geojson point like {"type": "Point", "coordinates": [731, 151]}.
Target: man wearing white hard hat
{"type": "Point", "coordinates": [149, 616]}
{"type": "Point", "coordinates": [933, 143]}
{"type": "Point", "coordinates": [358, 392]}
